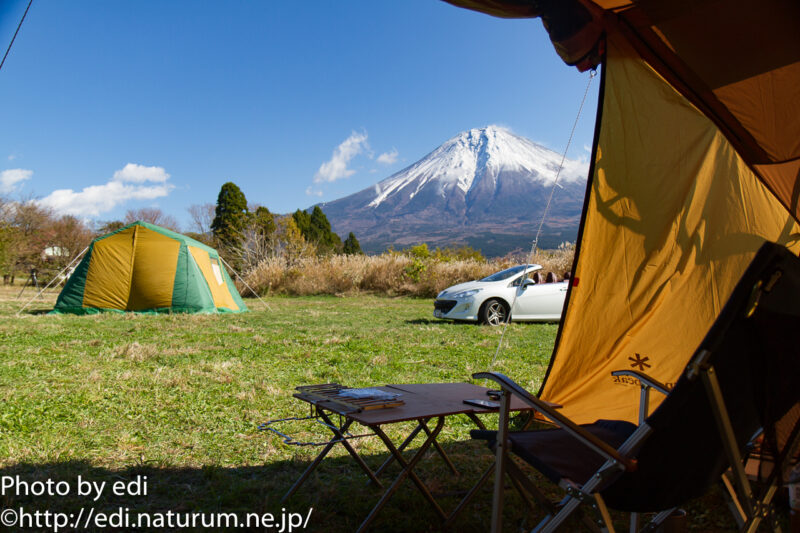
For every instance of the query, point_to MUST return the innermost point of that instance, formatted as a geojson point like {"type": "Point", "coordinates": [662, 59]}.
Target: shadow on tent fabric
{"type": "Point", "coordinates": [741, 382]}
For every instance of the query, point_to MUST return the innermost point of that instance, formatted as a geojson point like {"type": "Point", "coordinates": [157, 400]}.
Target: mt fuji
{"type": "Point", "coordinates": [486, 188]}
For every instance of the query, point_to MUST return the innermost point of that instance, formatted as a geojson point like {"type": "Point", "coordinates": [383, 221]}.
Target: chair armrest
{"type": "Point", "coordinates": [599, 446]}
{"type": "Point", "coordinates": [644, 378]}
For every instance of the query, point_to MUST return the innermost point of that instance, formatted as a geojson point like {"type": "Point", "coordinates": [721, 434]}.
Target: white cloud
{"type": "Point", "coordinates": [12, 157]}
{"type": "Point", "coordinates": [11, 178]}
{"type": "Point", "coordinates": [336, 168]}
{"type": "Point", "coordinates": [128, 183]}
{"type": "Point", "coordinates": [133, 173]}
{"type": "Point", "coordinates": [312, 192]}
{"type": "Point", "coordinates": [388, 158]}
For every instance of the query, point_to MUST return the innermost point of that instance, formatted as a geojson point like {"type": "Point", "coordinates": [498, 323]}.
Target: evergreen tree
{"type": "Point", "coordinates": [303, 222]}
{"type": "Point", "coordinates": [264, 222]}
{"type": "Point", "coordinates": [351, 245]}
{"type": "Point", "coordinates": [321, 227]}
{"type": "Point", "coordinates": [316, 229]}
{"type": "Point", "coordinates": [230, 216]}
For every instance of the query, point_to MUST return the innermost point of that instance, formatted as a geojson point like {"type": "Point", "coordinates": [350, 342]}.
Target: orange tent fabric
{"type": "Point", "coordinates": [696, 161]}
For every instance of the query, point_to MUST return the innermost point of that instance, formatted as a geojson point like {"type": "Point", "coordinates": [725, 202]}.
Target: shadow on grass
{"type": "Point", "coordinates": [426, 321]}
{"type": "Point", "coordinates": [464, 323]}
{"type": "Point", "coordinates": [338, 493]}
{"type": "Point", "coordinates": [36, 311]}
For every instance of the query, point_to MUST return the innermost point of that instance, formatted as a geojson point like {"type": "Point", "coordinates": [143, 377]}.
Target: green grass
{"type": "Point", "coordinates": [178, 398]}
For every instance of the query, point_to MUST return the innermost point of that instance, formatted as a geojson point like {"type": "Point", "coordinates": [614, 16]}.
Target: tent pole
{"type": "Point", "coordinates": [245, 283]}
{"type": "Point", "coordinates": [52, 280]}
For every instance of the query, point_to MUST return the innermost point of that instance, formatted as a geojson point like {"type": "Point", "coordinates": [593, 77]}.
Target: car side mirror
{"type": "Point", "coordinates": [527, 283]}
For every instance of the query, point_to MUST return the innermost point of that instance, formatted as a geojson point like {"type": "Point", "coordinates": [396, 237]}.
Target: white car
{"type": "Point", "coordinates": [489, 300]}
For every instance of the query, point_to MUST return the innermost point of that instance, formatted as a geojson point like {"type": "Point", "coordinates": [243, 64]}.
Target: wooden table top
{"type": "Point", "coordinates": [422, 400]}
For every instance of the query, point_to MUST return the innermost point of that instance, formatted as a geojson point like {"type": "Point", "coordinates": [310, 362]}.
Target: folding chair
{"type": "Point", "coordinates": [740, 382]}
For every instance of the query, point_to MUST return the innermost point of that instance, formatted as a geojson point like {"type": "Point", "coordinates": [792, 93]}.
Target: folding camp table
{"type": "Point", "coordinates": [421, 403]}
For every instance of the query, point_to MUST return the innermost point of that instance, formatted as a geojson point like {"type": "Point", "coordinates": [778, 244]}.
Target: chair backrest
{"type": "Point", "coordinates": [754, 353]}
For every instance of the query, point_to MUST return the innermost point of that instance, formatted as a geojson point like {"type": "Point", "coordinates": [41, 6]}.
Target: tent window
{"type": "Point", "coordinates": [217, 273]}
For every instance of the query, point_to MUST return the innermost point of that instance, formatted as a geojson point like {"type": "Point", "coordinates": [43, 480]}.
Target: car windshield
{"type": "Point", "coordinates": [505, 274]}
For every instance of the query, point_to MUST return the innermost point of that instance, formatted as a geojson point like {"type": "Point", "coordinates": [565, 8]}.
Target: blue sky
{"type": "Point", "coordinates": [117, 105]}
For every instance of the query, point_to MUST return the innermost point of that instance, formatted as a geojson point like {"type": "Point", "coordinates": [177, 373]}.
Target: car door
{"type": "Point", "coordinates": [542, 301]}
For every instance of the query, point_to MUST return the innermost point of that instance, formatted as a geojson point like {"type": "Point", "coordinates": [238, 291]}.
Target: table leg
{"type": "Point", "coordinates": [338, 437]}
{"type": "Point", "coordinates": [343, 440]}
{"type": "Point", "coordinates": [408, 471]}
{"type": "Point", "coordinates": [468, 498]}
{"type": "Point", "coordinates": [481, 481]}
{"type": "Point", "coordinates": [402, 447]}
{"type": "Point", "coordinates": [422, 425]}
{"type": "Point", "coordinates": [439, 448]}
{"type": "Point", "coordinates": [314, 463]}
{"type": "Point", "coordinates": [478, 421]}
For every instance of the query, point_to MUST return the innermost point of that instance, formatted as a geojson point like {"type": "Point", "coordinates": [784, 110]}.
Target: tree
{"type": "Point", "coordinates": [258, 239]}
{"type": "Point", "coordinates": [205, 238]}
{"type": "Point", "coordinates": [351, 245]}
{"type": "Point", "coordinates": [70, 237]}
{"type": "Point", "coordinates": [10, 239]}
{"type": "Point", "coordinates": [151, 215]}
{"type": "Point", "coordinates": [289, 242]}
{"type": "Point", "coordinates": [316, 228]}
{"type": "Point", "coordinates": [34, 230]}
{"type": "Point", "coordinates": [109, 226]}
{"type": "Point", "coordinates": [263, 222]}
{"type": "Point", "coordinates": [202, 216]}
{"type": "Point", "coordinates": [33, 237]}
{"type": "Point", "coordinates": [303, 222]}
{"type": "Point", "coordinates": [420, 250]}
{"type": "Point", "coordinates": [230, 216]}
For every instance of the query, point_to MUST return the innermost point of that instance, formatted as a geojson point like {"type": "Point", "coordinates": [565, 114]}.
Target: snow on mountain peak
{"type": "Point", "coordinates": [480, 153]}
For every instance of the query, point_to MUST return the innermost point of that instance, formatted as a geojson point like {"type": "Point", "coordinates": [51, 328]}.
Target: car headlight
{"type": "Point", "coordinates": [465, 294]}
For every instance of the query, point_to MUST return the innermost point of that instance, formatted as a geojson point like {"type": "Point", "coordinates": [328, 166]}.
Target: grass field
{"type": "Point", "coordinates": [178, 398]}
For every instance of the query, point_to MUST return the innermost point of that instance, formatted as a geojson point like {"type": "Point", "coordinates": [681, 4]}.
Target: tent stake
{"type": "Point", "coordinates": [245, 283]}
{"type": "Point", "coordinates": [52, 280]}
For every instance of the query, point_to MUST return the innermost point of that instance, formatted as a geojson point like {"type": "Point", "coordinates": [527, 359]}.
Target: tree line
{"type": "Point", "coordinates": [247, 234]}
{"type": "Point", "coordinates": [33, 237]}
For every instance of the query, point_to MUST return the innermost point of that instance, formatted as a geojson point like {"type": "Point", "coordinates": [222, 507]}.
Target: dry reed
{"type": "Point", "coordinates": [393, 274]}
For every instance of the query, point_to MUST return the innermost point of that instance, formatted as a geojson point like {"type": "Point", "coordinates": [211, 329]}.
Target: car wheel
{"type": "Point", "coordinates": [494, 312]}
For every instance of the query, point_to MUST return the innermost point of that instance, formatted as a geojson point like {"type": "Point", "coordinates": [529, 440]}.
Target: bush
{"type": "Point", "coordinates": [391, 273]}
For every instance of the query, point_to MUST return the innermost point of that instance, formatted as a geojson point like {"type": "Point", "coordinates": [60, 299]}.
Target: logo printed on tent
{"type": "Point", "coordinates": [639, 361]}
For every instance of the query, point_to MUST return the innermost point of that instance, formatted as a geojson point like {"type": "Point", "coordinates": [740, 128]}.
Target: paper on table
{"type": "Point", "coordinates": [369, 393]}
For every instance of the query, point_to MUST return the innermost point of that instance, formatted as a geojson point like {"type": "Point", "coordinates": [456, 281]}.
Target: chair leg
{"type": "Point", "coordinates": [500, 463]}
{"type": "Point", "coordinates": [656, 521]}
{"type": "Point", "coordinates": [521, 481]}
{"type": "Point", "coordinates": [602, 510]}
{"type": "Point", "coordinates": [551, 522]}
{"type": "Point", "coordinates": [634, 523]}
{"type": "Point", "coordinates": [732, 498]}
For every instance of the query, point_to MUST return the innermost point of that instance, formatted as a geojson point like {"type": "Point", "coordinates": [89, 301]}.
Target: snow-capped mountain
{"type": "Point", "coordinates": [485, 187]}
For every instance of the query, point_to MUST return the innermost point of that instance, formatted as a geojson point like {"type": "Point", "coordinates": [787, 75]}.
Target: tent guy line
{"type": "Point", "coordinates": [535, 243]}
{"type": "Point", "coordinates": [3, 62]}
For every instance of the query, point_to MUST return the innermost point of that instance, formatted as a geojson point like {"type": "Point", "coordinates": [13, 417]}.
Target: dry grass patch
{"type": "Point", "coordinates": [136, 352]}
{"type": "Point", "coordinates": [389, 273]}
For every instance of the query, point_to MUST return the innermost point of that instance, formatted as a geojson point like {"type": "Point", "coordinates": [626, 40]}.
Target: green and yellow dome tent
{"type": "Point", "coordinates": [695, 163]}
{"type": "Point", "coordinates": [149, 269]}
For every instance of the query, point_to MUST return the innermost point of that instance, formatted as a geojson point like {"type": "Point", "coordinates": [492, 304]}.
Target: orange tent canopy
{"type": "Point", "coordinates": [696, 161]}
